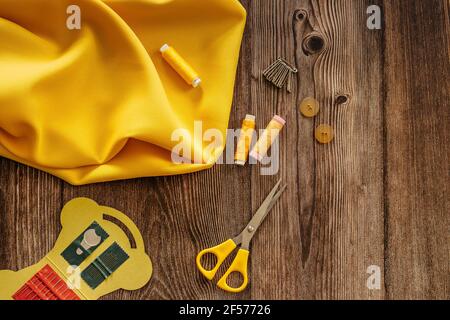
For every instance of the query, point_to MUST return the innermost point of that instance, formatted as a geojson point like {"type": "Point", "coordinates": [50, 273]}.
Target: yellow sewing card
{"type": "Point", "coordinates": [93, 256]}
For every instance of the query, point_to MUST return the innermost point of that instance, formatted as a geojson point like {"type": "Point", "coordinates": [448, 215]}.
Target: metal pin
{"type": "Point", "coordinates": [276, 81]}
{"type": "Point", "coordinates": [280, 73]}
{"type": "Point", "coordinates": [268, 73]}
{"type": "Point", "coordinates": [287, 64]}
{"type": "Point", "coordinates": [281, 81]}
{"type": "Point", "coordinates": [289, 83]}
{"type": "Point", "coordinates": [273, 64]}
{"type": "Point", "coordinates": [283, 78]}
{"type": "Point", "coordinates": [272, 74]}
{"type": "Point", "coordinates": [272, 67]}
{"type": "Point", "coordinates": [276, 75]}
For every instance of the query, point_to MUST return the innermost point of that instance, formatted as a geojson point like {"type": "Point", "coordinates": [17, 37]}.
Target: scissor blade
{"type": "Point", "coordinates": [266, 203]}
{"type": "Point", "coordinates": [275, 198]}
{"type": "Point", "coordinates": [260, 215]}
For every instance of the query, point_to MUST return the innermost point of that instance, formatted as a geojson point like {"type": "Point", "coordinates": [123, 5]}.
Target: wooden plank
{"type": "Point", "coordinates": [276, 268]}
{"type": "Point", "coordinates": [417, 147]}
{"type": "Point", "coordinates": [336, 197]}
{"type": "Point", "coordinates": [345, 222]}
{"type": "Point", "coordinates": [375, 196]}
{"type": "Point", "coordinates": [29, 223]}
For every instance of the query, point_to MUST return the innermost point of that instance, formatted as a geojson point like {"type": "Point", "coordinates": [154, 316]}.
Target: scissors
{"type": "Point", "coordinates": [223, 250]}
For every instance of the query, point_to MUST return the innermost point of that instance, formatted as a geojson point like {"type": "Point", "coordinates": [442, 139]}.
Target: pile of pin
{"type": "Point", "coordinates": [280, 73]}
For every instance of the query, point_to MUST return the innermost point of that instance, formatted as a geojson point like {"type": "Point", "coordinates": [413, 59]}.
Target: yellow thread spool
{"type": "Point", "coordinates": [180, 65]}
{"type": "Point", "coordinates": [267, 138]}
{"type": "Point", "coordinates": [245, 139]}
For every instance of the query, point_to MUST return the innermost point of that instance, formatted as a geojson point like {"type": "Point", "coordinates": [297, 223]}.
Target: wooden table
{"type": "Point", "coordinates": [378, 195]}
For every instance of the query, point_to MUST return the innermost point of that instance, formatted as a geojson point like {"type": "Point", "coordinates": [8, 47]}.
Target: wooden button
{"type": "Point", "coordinates": [309, 107]}
{"type": "Point", "coordinates": [324, 133]}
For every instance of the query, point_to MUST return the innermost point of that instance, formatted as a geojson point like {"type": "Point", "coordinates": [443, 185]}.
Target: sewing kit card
{"type": "Point", "coordinates": [93, 256]}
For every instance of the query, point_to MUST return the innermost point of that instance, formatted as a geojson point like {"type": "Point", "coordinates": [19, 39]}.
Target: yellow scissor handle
{"type": "Point", "coordinates": [239, 264]}
{"type": "Point", "coordinates": [221, 251]}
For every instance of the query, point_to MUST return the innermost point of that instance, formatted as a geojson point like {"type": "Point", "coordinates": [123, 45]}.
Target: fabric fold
{"type": "Point", "coordinates": [99, 103]}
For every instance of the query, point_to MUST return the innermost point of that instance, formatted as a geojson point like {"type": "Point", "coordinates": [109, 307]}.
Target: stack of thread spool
{"type": "Point", "coordinates": [280, 74]}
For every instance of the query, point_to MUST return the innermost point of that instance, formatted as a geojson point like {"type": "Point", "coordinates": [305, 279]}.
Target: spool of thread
{"type": "Point", "coordinates": [180, 65]}
{"type": "Point", "coordinates": [267, 138]}
{"type": "Point", "coordinates": [245, 139]}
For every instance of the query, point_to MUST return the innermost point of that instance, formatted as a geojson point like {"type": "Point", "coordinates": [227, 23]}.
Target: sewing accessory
{"type": "Point", "coordinates": [280, 73]}
{"type": "Point", "coordinates": [309, 107]}
{"type": "Point", "coordinates": [45, 285]}
{"type": "Point", "coordinates": [324, 133]}
{"type": "Point", "coordinates": [267, 138]}
{"type": "Point", "coordinates": [245, 140]}
{"type": "Point", "coordinates": [176, 61]}
{"type": "Point", "coordinates": [268, 73]}
{"type": "Point", "coordinates": [98, 251]}
{"type": "Point", "coordinates": [223, 250]}
{"type": "Point", "coordinates": [289, 82]}
{"type": "Point", "coordinates": [84, 244]}
{"type": "Point", "coordinates": [102, 267]}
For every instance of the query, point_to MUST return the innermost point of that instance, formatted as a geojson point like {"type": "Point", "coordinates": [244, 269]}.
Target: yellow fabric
{"type": "Point", "coordinates": [100, 103]}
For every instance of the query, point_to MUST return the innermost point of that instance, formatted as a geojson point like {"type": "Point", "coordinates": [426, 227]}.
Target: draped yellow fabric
{"type": "Point", "coordinates": [100, 103]}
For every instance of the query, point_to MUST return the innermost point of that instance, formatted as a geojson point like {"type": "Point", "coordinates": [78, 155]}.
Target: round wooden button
{"type": "Point", "coordinates": [309, 107]}
{"type": "Point", "coordinates": [324, 133]}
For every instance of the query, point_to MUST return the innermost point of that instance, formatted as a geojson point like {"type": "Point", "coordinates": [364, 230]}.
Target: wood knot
{"type": "Point", "coordinates": [313, 43]}
{"type": "Point", "coordinates": [300, 14]}
{"type": "Point", "coordinates": [342, 99]}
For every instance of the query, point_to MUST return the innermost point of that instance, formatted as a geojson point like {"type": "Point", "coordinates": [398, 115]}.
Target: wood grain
{"type": "Point", "coordinates": [417, 149]}
{"type": "Point", "coordinates": [377, 195]}
{"type": "Point", "coordinates": [342, 217]}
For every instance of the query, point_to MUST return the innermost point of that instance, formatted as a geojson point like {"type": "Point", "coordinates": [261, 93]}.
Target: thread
{"type": "Point", "coordinates": [45, 285]}
{"type": "Point", "coordinates": [180, 65]}
{"type": "Point", "coordinates": [245, 140]}
{"type": "Point", "coordinates": [267, 138]}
